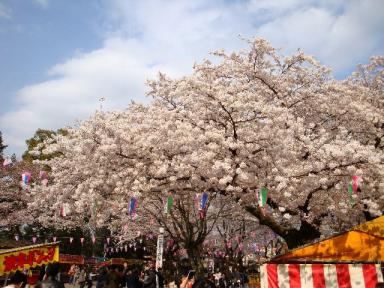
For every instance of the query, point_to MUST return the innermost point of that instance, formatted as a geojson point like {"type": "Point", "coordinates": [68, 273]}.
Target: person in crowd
{"type": "Point", "coordinates": [125, 267]}
{"type": "Point", "coordinates": [42, 272]}
{"type": "Point", "coordinates": [244, 280]}
{"type": "Point", "coordinates": [188, 279]}
{"type": "Point", "coordinates": [236, 279]}
{"type": "Point", "coordinates": [129, 280]}
{"type": "Point", "coordinates": [150, 276]}
{"type": "Point", "coordinates": [102, 277]}
{"type": "Point", "coordinates": [71, 273]}
{"type": "Point", "coordinates": [17, 280]}
{"type": "Point", "coordinates": [76, 275]}
{"type": "Point", "coordinates": [138, 283]}
{"type": "Point", "coordinates": [50, 279]}
{"type": "Point", "coordinates": [210, 280]}
{"type": "Point", "coordinates": [25, 275]}
{"type": "Point", "coordinates": [121, 274]}
{"type": "Point", "coordinates": [223, 283]}
{"type": "Point", "coordinates": [160, 278]}
{"type": "Point", "coordinates": [82, 277]}
{"type": "Point", "coordinates": [112, 277]}
{"type": "Point", "coordinates": [88, 277]}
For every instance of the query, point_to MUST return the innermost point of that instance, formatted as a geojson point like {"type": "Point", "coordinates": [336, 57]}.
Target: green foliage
{"type": "Point", "coordinates": [38, 139]}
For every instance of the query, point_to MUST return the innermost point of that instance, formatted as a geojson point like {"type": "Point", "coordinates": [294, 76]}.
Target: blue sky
{"type": "Point", "coordinates": [57, 58]}
{"type": "Point", "coordinates": [35, 35]}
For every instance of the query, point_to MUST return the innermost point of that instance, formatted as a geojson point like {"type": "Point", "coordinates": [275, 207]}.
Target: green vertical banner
{"type": "Point", "coordinates": [169, 204]}
{"type": "Point", "coordinates": [263, 194]}
{"type": "Point", "coordinates": [350, 192]}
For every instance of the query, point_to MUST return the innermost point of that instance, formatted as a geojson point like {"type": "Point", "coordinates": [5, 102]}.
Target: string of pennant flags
{"type": "Point", "coordinates": [211, 246]}
{"type": "Point", "coordinates": [201, 199]}
{"type": "Point", "coordinates": [262, 193]}
{"type": "Point", "coordinates": [94, 239]}
{"type": "Point", "coordinates": [150, 236]}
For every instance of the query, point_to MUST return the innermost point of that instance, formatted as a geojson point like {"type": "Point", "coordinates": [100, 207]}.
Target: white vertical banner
{"type": "Point", "coordinates": [159, 252]}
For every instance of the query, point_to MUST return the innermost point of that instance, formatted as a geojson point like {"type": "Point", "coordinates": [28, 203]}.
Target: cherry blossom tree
{"type": "Point", "coordinates": [104, 164]}
{"type": "Point", "coordinates": [251, 120]}
{"type": "Point", "coordinates": [367, 84]}
{"type": "Point", "coordinates": [15, 195]}
{"type": "Point", "coordinates": [257, 119]}
{"type": "Point", "coordinates": [187, 225]}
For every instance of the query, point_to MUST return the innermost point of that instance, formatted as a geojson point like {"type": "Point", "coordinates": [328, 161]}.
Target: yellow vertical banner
{"type": "Point", "coordinates": [28, 257]}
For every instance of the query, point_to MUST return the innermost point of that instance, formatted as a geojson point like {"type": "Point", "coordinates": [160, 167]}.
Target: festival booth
{"type": "Point", "coordinates": [71, 259]}
{"type": "Point", "coordinates": [28, 257]}
{"type": "Point", "coordinates": [120, 262]}
{"type": "Point", "coordinates": [350, 259]}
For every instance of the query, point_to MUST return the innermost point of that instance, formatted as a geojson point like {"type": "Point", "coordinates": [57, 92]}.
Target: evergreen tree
{"type": "Point", "coordinates": [40, 136]}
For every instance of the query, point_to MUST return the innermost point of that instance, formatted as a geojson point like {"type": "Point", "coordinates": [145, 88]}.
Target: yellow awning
{"type": "Point", "coordinates": [363, 243]}
{"type": "Point", "coordinates": [374, 227]}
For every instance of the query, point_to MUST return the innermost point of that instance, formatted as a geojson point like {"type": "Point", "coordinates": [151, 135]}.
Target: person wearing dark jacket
{"type": "Point", "coordinates": [150, 277]}
{"type": "Point", "coordinates": [130, 279]}
{"type": "Point", "coordinates": [42, 272]}
{"type": "Point", "coordinates": [17, 280]}
{"type": "Point", "coordinates": [102, 278]}
{"type": "Point", "coordinates": [50, 280]}
{"type": "Point", "coordinates": [112, 278]}
{"type": "Point", "coordinates": [138, 283]}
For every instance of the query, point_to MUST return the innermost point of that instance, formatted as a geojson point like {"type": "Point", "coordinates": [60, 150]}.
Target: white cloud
{"type": "Point", "coordinates": [5, 12]}
{"type": "Point", "coordinates": [143, 37]}
{"type": "Point", "coordinates": [42, 3]}
{"type": "Point", "coordinates": [340, 36]}
{"type": "Point", "coordinates": [116, 72]}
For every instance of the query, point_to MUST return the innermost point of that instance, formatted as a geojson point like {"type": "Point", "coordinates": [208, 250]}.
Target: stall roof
{"type": "Point", "coordinates": [363, 243]}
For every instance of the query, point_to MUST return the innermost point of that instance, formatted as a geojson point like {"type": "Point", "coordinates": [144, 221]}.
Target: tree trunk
{"type": "Point", "coordinates": [306, 234]}
{"type": "Point", "coordinates": [195, 258]}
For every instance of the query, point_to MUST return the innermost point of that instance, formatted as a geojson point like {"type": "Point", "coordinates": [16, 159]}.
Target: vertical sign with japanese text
{"type": "Point", "coordinates": [159, 253]}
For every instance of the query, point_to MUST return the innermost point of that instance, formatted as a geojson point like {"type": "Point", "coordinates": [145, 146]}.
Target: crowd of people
{"type": "Point", "coordinates": [213, 280]}
{"type": "Point", "coordinates": [49, 279]}
{"type": "Point", "coordinates": [149, 277]}
{"type": "Point", "coordinates": [115, 276]}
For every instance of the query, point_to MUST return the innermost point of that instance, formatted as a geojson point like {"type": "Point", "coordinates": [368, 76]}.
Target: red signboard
{"type": "Point", "coordinates": [71, 259]}
{"type": "Point", "coordinates": [28, 257]}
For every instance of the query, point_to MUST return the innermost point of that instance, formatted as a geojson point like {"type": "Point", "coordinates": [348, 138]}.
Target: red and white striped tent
{"type": "Point", "coordinates": [331, 262]}
{"type": "Point", "coordinates": [317, 275]}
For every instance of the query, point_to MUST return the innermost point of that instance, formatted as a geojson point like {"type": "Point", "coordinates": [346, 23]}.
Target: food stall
{"type": "Point", "coordinates": [349, 259]}
{"type": "Point", "coordinates": [27, 258]}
